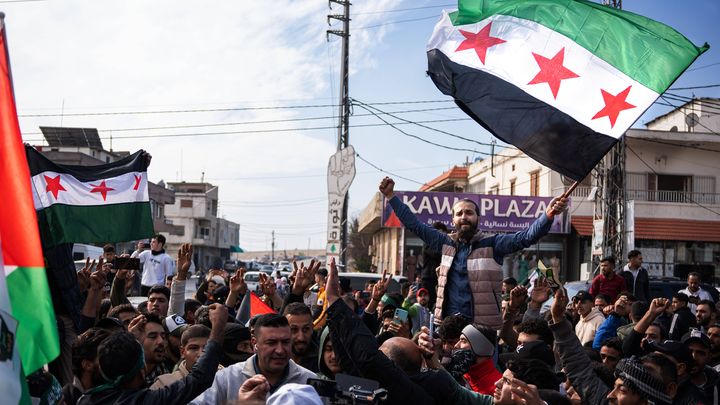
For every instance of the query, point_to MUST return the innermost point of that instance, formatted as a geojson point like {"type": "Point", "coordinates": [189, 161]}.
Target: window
{"type": "Point", "coordinates": [186, 203]}
{"type": "Point", "coordinates": [535, 183]}
{"type": "Point", "coordinates": [512, 187]}
{"type": "Point", "coordinates": [494, 190]}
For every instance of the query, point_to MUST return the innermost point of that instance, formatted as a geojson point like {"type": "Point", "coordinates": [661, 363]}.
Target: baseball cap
{"type": "Point", "coordinates": [218, 280]}
{"type": "Point", "coordinates": [295, 394]}
{"type": "Point", "coordinates": [175, 325]}
{"type": "Point", "coordinates": [422, 291]}
{"type": "Point", "coordinates": [677, 350]}
{"type": "Point", "coordinates": [480, 345]}
{"type": "Point", "coordinates": [109, 322]}
{"type": "Point", "coordinates": [695, 335]}
{"type": "Point", "coordinates": [583, 295]}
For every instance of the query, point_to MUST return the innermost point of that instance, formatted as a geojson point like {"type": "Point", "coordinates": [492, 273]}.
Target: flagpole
{"type": "Point", "coordinates": [572, 188]}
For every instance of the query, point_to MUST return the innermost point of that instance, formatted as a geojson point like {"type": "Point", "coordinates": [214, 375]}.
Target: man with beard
{"type": "Point", "coordinates": [705, 315]}
{"type": "Point", "coordinates": [84, 364]}
{"type": "Point", "coordinates": [470, 274]}
{"type": "Point", "coordinates": [695, 291]}
{"type": "Point", "coordinates": [701, 375]}
{"type": "Point", "coordinates": [304, 349]}
{"type": "Point", "coordinates": [418, 312]}
{"type": "Point", "coordinates": [149, 331]}
{"type": "Point", "coordinates": [607, 282]}
{"type": "Point", "coordinates": [714, 335]}
{"type": "Point", "coordinates": [272, 360]}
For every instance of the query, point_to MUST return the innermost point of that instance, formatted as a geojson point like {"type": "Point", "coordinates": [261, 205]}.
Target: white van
{"type": "Point", "coordinates": [82, 251]}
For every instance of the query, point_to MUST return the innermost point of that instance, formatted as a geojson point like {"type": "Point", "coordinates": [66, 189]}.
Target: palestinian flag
{"type": "Point", "coordinates": [560, 79]}
{"type": "Point", "coordinates": [91, 204]}
{"type": "Point", "coordinates": [26, 303]}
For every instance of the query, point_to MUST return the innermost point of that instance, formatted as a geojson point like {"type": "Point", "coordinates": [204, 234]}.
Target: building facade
{"type": "Point", "coordinates": [195, 212]}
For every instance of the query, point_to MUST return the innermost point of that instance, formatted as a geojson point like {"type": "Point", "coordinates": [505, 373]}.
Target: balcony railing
{"type": "Point", "coordinates": [655, 195]}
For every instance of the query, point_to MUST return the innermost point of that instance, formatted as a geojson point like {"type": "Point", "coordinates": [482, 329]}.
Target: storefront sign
{"type": "Point", "coordinates": [498, 213]}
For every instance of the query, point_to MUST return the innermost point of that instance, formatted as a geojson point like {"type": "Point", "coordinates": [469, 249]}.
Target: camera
{"type": "Point", "coordinates": [347, 389]}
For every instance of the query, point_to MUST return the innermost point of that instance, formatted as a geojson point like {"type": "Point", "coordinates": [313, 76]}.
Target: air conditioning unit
{"type": "Point", "coordinates": [586, 271]}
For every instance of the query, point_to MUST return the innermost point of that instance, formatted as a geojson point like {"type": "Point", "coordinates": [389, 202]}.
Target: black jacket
{"type": "Point", "coordinates": [357, 350]}
{"type": "Point", "coordinates": [642, 284]}
{"type": "Point", "coordinates": [681, 322]}
{"type": "Point", "coordinates": [180, 392]}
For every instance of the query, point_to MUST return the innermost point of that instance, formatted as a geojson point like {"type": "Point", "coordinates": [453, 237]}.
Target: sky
{"type": "Point", "coordinates": [244, 95]}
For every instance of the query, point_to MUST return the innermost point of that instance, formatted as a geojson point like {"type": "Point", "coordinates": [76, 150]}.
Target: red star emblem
{"type": "Point", "coordinates": [614, 105]}
{"type": "Point", "coordinates": [53, 185]}
{"type": "Point", "coordinates": [137, 181]}
{"type": "Point", "coordinates": [480, 42]}
{"type": "Point", "coordinates": [552, 71]}
{"type": "Point", "coordinates": [102, 189]}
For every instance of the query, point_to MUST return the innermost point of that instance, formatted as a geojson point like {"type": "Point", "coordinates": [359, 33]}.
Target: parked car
{"type": "Point", "coordinates": [267, 268]}
{"type": "Point", "coordinates": [358, 280]}
{"type": "Point", "coordinates": [252, 280]}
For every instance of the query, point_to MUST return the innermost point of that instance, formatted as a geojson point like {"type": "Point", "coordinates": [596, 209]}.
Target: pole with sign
{"type": "Point", "coordinates": [341, 172]}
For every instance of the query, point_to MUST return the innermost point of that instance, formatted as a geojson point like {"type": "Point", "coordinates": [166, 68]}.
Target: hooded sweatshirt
{"type": "Point", "coordinates": [586, 327]}
{"type": "Point", "coordinates": [324, 372]}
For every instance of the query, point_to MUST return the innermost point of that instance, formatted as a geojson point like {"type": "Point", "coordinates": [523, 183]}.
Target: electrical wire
{"type": "Point", "coordinates": [703, 67]}
{"type": "Point", "coordinates": [397, 10]}
{"type": "Point", "coordinates": [385, 171]}
{"type": "Point", "coordinates": [686, 115]}
{"type": "Point", "coordinates": [695, 87]}
{"type": "Point", "coordinates": [397, 22]}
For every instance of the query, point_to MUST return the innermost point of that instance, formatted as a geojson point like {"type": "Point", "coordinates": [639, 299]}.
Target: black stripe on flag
{"type": "Point", "coordinates": [544, 133]}
{"type": "Point", "coordinates": [39, 163]}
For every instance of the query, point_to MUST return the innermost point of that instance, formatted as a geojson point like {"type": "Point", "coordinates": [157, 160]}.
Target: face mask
{"type": "Point", "coordinates": [460, 363]}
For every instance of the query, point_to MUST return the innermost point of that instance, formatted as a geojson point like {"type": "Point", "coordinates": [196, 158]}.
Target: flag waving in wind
{"type": "Point", "coordinates": [84, 204]}
{"type": "Point", "coordinates": [21, 258]}
{"type": "Point", "coordinates": [560, 79]}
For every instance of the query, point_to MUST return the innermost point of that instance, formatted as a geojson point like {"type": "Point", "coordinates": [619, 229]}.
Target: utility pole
{"type": "Point", "coordinates": [343, 139]}
{"type": "Point", "coordinates": [272, 247]}
{"type": "Point", "coordinates": [611, 194]}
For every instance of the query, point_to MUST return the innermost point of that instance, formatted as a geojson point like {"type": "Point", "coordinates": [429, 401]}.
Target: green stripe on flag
{"type": "Point", "coordinates": [32, 307]}
{"type": "Point", "coordinates": [60, 223]}
{"type": "Point", "coordinates": [629, 42]}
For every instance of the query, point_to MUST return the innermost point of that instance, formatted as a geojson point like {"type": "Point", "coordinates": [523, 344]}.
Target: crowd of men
{"type": "Point", "coordinates": [469, 337]}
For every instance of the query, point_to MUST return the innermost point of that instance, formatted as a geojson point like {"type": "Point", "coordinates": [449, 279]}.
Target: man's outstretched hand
{"type": "Point", "coordinates": [557, 206]}
{"type": "Point", "coordinates": [332, 285]}
{"type": "Point", "coordinates": [387, 186]}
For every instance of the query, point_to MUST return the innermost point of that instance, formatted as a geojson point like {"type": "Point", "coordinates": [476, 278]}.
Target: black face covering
{"type": "Point", "coordinates": [460, 363]}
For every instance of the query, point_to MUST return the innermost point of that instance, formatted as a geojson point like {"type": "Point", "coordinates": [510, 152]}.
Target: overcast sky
{"type": "Point", "coordinates": [80, 63]}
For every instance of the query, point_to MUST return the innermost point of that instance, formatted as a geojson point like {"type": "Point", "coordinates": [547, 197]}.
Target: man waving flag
{"type": "Point", "coordinates": [560, 79]}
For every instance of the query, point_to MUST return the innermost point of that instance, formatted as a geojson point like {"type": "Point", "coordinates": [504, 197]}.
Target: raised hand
{"type": "Point", "coordinates": [380, 288]}
{"type": "Point", "coordinates": [525, 394]}
{"type": "Point", "coordinates": [518, 295]}
{"type": "Point", "coordinates": [557, 206]}
{"type": "Point", "coordinates": [267, 285]}
{"type": "Point", "coordinates": [658, 306]}
{"type": "Point", "coordinates": [254, 389]}
{"type": "Point", "coordinates": [137, 327]}
{"type": "Point", "coordinates": [98, 279]}
{"type": "Point", "coordinates": [332, 285]}
{"type": "Point", "coordinates": [183, 261]}
{"type": "Point", "coordinates": [237, 282]}
{"type": "Point", "coordinates": [541, 291]}
{"type": "Point", "coordinates": [387, 186]}
{"type": "Point", "coordinates": [218, 316]}
{"type": "Point", "coordinates": [304, 276]}
{"type": "Point", "coordinates": [426, 343]}
{"type": "Point", "coordinates": [558, 306]}
{"type": "Point", "coordinates": [84, 274]}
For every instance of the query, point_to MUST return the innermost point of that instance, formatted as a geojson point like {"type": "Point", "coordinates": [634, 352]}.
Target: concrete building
{"type": "Point", "coordinates": [195, 212]}
{"type": "Point", "coordinates": [671, 183]}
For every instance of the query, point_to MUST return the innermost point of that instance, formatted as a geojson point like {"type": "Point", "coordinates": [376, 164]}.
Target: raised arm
{"type": "Point", "coordinates": [428, 234]}
{"type": "Point", "coordinates": [508, 243]}
{"type": "Point", "coordinates": [177, 288]}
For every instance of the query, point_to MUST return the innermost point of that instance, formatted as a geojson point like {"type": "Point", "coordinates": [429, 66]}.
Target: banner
{"type": "Point", "coordinates": [340, 174]}
{"type": "Point", "coordinates": [498, 213]}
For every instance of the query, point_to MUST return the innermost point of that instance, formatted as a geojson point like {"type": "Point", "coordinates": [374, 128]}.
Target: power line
{"type": "Point", "coordinates": [686, 115]}
{"type": "Point", "coordinates": [703, 67]}
{"type": "Point", "coordinates": [406, 9]}
{"type": "Point", "coordinates": [198, 110]}
{"type": "Point", "coordinates": [397, 22]}
{"type": "Point", "coordinates": [385, 171]}
{"type": "Point", "coordinates": [260, 131]}
{"type": "Point", "coordinates": [695, 87]}
{"type": "Point", "coordinates": [657, 174]}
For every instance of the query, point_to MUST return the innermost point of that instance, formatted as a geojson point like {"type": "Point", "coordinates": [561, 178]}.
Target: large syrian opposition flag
{"type": "Point", "coordinates": [24, 294]}
{"type": "Point", "coordinates": [560, 79]}
{"type": "Point", "coordinates": [91, 204]}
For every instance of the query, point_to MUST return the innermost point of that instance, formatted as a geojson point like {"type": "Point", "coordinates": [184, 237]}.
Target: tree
{"type": "Point", "coordinates": [358, 247]}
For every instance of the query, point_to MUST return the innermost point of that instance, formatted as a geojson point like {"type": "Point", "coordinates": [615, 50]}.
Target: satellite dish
{"type": "Point", "coordinates": [691, 120]}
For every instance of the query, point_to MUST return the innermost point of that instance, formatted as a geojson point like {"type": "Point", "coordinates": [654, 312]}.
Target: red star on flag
{"type": "Point", "coordinates": [552, 71]}
{"type": "Point", "coordinates": [53, 185]}
{"type": "Point", "coordinates": [480, 42]}
{"type": "Point", "coordinates": [614, 105]}
{"type": "Point", "coordinates": [102, 189]}
{"type": "Point", "coordinates": [137, 181]}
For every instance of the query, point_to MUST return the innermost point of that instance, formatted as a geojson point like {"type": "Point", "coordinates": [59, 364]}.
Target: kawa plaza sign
{"type": "Point", "coordinates": [498, 213]}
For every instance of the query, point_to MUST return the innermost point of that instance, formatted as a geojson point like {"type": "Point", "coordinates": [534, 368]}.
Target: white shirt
{"type": "Point", "coordinates": [700, 293]}
{"type": "Point", "coordinates": [156, 268]}
{"type": "Point", "coordinates": [634, 273]}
